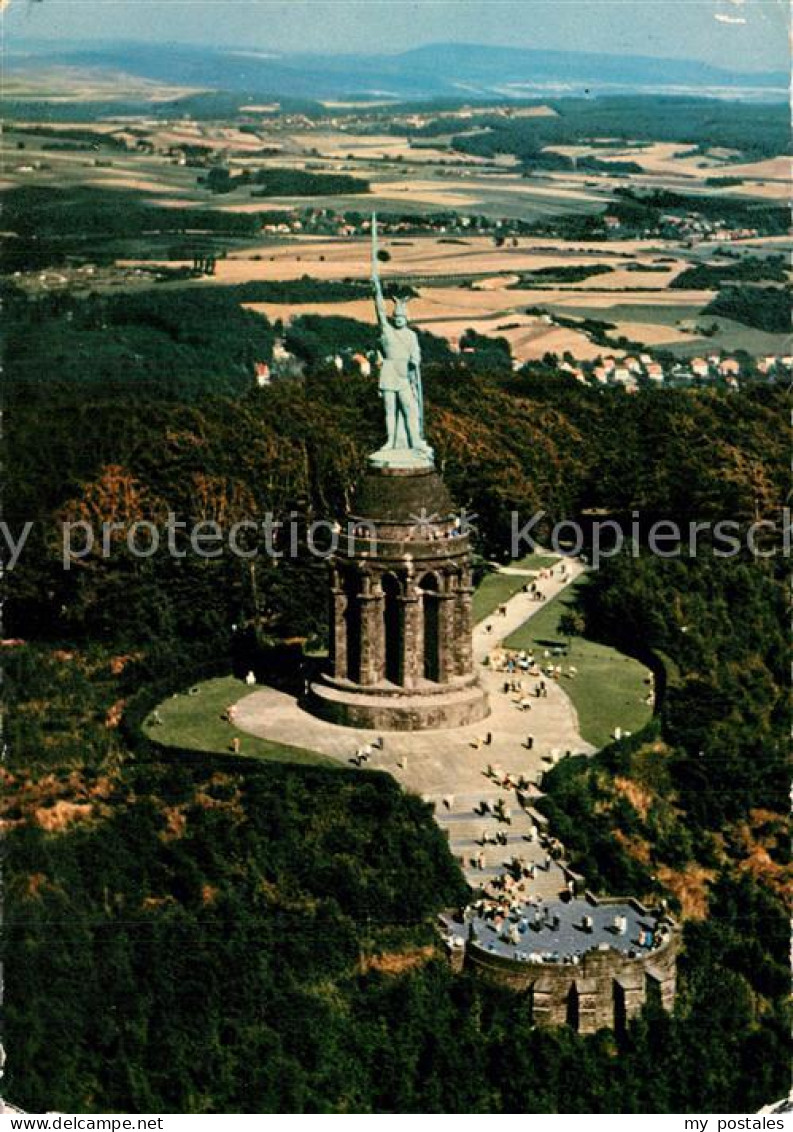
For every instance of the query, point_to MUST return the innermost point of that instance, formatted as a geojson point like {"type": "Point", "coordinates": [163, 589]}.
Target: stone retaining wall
{"type": "Point", "coordinates": [604, 990]}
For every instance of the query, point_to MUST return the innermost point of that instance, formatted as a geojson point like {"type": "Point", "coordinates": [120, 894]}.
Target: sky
{"type": "Point", "coordinates": [736, 34]}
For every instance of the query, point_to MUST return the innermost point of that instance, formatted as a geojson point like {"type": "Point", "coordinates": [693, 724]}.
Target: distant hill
{"type": "Point", "coordinates": [436, 71]}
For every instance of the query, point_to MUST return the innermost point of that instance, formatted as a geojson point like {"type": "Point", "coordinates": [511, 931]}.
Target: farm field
{"type": "Point", "coordinates": [675, 166]}
{"type": "Point", "coordinates": [463, 280]}
{"type": "Point", "coordinates": [63, 84]}
{"type": "Point", "coordinates": [529, 336]}
{"type": "Point", "coordinates": [652, 317]}
{"type": "Point", "coordinates": [655, 322]}
{"type": "Point", "coordinates": [423, 256]}
{"type": "Point", "coordinates": [497, 196]}
{"type": "Point", "coordinates": [342, 146]}
{"type": "Point", "coordinates": [529, 885]}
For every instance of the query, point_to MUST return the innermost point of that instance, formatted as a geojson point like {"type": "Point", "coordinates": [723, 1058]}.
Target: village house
{"type": "Point", "coordinates": [623, 376]}
{"type": "Point", "coordinates": [363, 364]}
{"type": "Point", "coordinates": [700, 367]}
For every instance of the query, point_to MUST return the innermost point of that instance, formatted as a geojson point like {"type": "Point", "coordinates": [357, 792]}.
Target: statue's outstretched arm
{"type": "Point", "coordinates": [379, 300]}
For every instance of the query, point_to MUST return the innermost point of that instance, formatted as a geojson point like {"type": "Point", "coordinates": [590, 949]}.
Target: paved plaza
{"type": "Point", "coordinates": [450, 767]}
{"type": "Point", "coordinates": [559, 931]}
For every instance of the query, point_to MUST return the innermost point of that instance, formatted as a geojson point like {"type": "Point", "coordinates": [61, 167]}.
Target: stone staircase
{"type": "Point", "coordinates": [472, 824]}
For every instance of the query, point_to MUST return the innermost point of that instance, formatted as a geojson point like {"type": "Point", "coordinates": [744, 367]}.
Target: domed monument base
{"type": "Point", "coordinates": [400, 611]}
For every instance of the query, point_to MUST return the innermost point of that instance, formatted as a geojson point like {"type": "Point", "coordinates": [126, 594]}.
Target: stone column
{"type": "Point", "coordinates": [378, 637]}
{"type": "Point", "coordinates": [446, 635]}
{"type": "Point", "coordinates": [338, 631]}
{"type": "Point", "coordinates": [631, 983]}
{"type": "Point", "coordinates": [412, 638]}
{"type": "Point", "coordinates": [463, 644]}
{"type": "Point", "coordinates": [371, 601]}
{"type": "Point", "coordinates": [594, 1005]}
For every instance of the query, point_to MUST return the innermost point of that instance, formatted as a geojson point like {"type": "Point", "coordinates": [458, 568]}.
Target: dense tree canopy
{"type": "Point", "coordinates": [272, 926]}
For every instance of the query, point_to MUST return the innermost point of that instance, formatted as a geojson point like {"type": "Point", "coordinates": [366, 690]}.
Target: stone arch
{"type": "Point", "coordinates": [572, 1008]}
{"type": "Point", "coordinates": [431, 580]}
{"type": "Point", "coordinates": [529, 997]}
{"type": "Point", "coordinates": [652, 991]}
{"type": "Point", "coordinates": [620, 1007]}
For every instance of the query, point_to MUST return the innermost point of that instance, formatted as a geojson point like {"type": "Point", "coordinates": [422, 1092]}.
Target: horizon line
{"type": "Point", "coordinates": [277, 52]}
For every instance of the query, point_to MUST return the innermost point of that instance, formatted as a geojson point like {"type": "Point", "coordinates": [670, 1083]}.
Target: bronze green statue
{"type": "Point", "coordinates": [400, 382]}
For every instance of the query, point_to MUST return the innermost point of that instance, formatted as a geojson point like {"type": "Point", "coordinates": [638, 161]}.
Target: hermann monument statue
{"type": "Point", "coordinates": [400, 624]}
{"type": "Point", "coordinates": [400, 383]}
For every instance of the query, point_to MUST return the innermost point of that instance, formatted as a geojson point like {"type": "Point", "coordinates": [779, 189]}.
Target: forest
{"type": "Point", "coordinates": [193, 345]}
{"type": "Point", "coordinates": [242, 937]}
{"type": "Point", "coordinates": [43, 212]}
{"type": "Point", "coordinates": [706, 276]}
{"type": "Point", "coordinates": [637, 209]}
{"type": "Point", "coordinates": [53, 226]}
{"type": "Point", "coordinates": [756, 130]}
{"type": "Point", "coordinates": [765, 308]}
{"type": "Point", "coordinates": [286, 182]}
{"type": "Point", "coordinates": [563, 273]}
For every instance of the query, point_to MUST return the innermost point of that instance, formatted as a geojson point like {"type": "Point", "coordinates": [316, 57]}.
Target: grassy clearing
{"type": "Point", "coordinates": [536, 560]}
{"type": "Point", "coordinates": [666, 314]}
{"type": "Point", "coordinates": [732, 336]}
{"type": "Point", "coordinates": [496, 588]}
{"type": "Point", "coordinates": [609, 690]}
{"type": "Point", "coordinates": [493, 590]}
{"type": "Point", "coordinates": [194, 722]}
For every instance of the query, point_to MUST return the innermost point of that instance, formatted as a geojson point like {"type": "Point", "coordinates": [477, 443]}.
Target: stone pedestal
{"type": "Point", "coordinates": [400, 611]}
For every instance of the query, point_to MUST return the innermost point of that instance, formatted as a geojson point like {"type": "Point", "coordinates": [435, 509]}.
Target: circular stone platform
{"type": "Point", "coordinates": [387, 707]}
{"type": "Point", "coordinates": [437, 763]}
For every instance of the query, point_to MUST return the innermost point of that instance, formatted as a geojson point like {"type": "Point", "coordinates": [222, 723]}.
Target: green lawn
{"type": "Point", "coordinates": [535, 560]}
{"type": "Point", "coordinates": [609, 690]}
{"type": "Point", "coordinates": [496, 588]}
{"type": "Point", "coordinates": [493, 590]}
{"type": "Point", "coordinates": [194, 722]}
